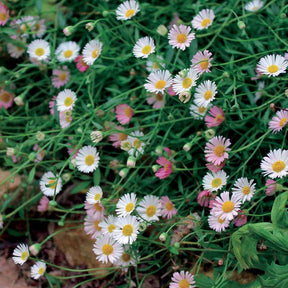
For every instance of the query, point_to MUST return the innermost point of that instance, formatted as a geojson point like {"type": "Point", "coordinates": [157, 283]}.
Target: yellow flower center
{"type": "Point", "coordinates": [41, 271]}
{"type": "Point", "coordinates": [181, 38]}
{"type": "Point", "coordinates": [205, 22]}
{"type": "Point", "coordinates": [246, 190]}
{"type": "Point", "coordinates": [97, 196]}
{"type": "Point", "coordinates": [227, 206]}
{"type": "Point", "coordinates": [122, 136]}
{"type": "Point", "coordinates": [129, 13]}
{"type": "Point", "coordinates": [107, 249]}
{"type": "Point", "coordinates": [159, 96]}
{"type": "Point", "coordinates": [68, 101]}
{"type": "Point", "coordinates": [89, 160]}
{"type": "Point", "coordinates": [96, 225]}
{"type": "Point", "coordinates": [221, 221]}
{"type": "Point", "coordinates": [283, 121]}
{"type": "Point", "coordinates": [184, 283]}
{"type": "Point", "coordinates": [68, 53]}
{"type": "Point", "coordinates": [39, 51]}
{"type": "Point", "coordinates": [272, 68]}
{"type": "Point", "coordinates": [111, 228]}
{"type": "Point", "coordinates": [127, 230]}
{"type": "Point", "coordinates": [128, 112]}
{"type": "Point", "coordinates": [160, 84]}
{"type": "Point", "coordinates": [137, 143]}
{"type": "Point", "coordinates": [151, 211]}
{"type": "Point", "coordinates": [24, 255]}
{"type": "Point", "coordinates": [204, 64]}
{"type": "Point", "coordinates": [5, 97]}
{"type": "Point", "coordinates": [207, 95]}
{"type": "Point", "coordinates": [278, 166]}
{"type": "Point", "coordinates": [3, 16]}
{"type": "Point", "coordinates": [169, 206]}
{"type": "Point", "coordinates": [52, 183]}
{"type": "Point", "coordinates": [218, 118]}
{"type": "Point", "coordinates": [146, 49]}
{"type": "Point", "coordinates": [62, 77]}
{"type": "Point", "coordinates": [129, 207]}
{"type": "Point", "coordinates": [125, 257]}
{"type": "Point", "coordinates": [186, 83]}
{"type": "Point", "coordinates": [98, 207]}
{"type": "Point", "coordinates": [216, 182]}
{"type": "Point", "coordinates": [201, 109]}
{"type": "Point", "coordinates": [95, 53]}
{"type": "Point", "coordinates": [155, 66]}
{"type": "Point", "coordinates": [219, 150]}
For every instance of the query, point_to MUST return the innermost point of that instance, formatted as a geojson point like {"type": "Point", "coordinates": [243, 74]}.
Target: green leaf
{"type": "Point", "coordinates": [276, 276]}
{"type": "Point", "coordinates": [81, 186]}
{"type": "Point", "coordinates": [173, 250]}
{"type": "Point", "coordinates": [31, 175]}
{"type": "Point", "coordinates": [279, 215]}
{"type": "Point", "coordinates": [96, 177]}
{"type": "Point", "coordinates": [203, 281]}
{"type": "Point", "coordinates": [15, 233]}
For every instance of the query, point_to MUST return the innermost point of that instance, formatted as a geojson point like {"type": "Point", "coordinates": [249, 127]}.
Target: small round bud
{"type": "Point", "coordinates": [220, 262]}
{"type": "Point", "coordinates": [177, 245]}
{"type": "Point", "coordinates": [96, 136]}
{"type": "Point", "coordinates": [19, 101]}
{"type": "Point", "coordinates": [32, 156]}
{"type": "Point", "coordinates": [66, 177]}
{"type": "Point", "coordinates": [60, 223]}
{"type": "Point", "coordinates": [73, 162]}
{"type": "Point", "coordinates": [40, 136]}
{"type": "Point", "coordinates": [209, 134]}
{"type": "Point", "coordinates": [126, 145]}
{"type": "Point", "coordinates": [68, 30]}
{"type": "Point", "coordinates": [105, 13]}
{"type": "Point", "coordinates": [155, 168]}
{"type": "Point", "coordinates": [90, 26]}
{"type": "Point", "coordinates": [53, 203]}
{"type": "Point", "coordinates": [184, 97]}
{"type": "Point", "coordinates": [142, 226]}
{"type": "Point", "coordinates": [162, 30]}
{"type": "Point", "coordinates": [131, 161]}
{"type": "Point", "coordinates": [187, 147]}
{"type": "Point", "coordinates": [170, 117]}
{"type": "Point", "coordinates": [272, 107]}
{"type": "Point", "coordinates": [159, 150]}
{"type": "Point", "coordinates": [123, 172]}
{"type": "Point", "coordinates": [183, 73]}
{"type": "Point", "coordinates": [35, 249]}
{"type": "Point", "coordinates": [241, 25]}
{"type": "Point", "coordinates": [79, 130]}
{"type": "Point", "coordinates": [132, 72]}
{"type": "Point", "coordinates": [226, 74]}
{"type": "Point", "coordinates": [10, 151]}
{"type": "Point", "coordinates": [163, 237]}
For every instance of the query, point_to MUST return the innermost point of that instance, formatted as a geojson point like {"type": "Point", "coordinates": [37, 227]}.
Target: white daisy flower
{"type": "Point", "coordinates": [66, 100]}
{"type": "Point", "coordinates": [155, 64]}
{"type": "Point", "coordinates": [224, 207]}
{"type": "Point", "coordinates": [94, 195]}
{"type": "Point", "coordinates": [254, 5]}
{"type": "Point", "coordinates": [39, 49]}
{"type": "Point", "coordinates": [127, 10]}
{"type": "Point", "coordinates": [203, 20]}
{"type": "Point", "coordinates": [126, 204]}
{"type": "Point", "coordinates": [144, 47]}
{"type": "Point", "coordinates": [107, 249]}
{"type": "Point", "coordinates": [150, 208]}
{"type": "Point", "coordinates": [67, 51]}
{"type": "Point", "coordinates": [218, 224]}
{"type": "Point", "coordinates": [20, 254]}
{"type": "Point", "coordinates": [185, 80]}
{"type": "Point", "coordinates": [87, 159]}
{"type": "Point", "coordinates": [215, 180]}
{"type": "Point", "coordinates": [180, 36]}
{"type": "Point", "coordinates": [205, 93]}
{"type": "Point", "coordinates": [137, 146]}
{"type": "Point", "coordinates": [38, 270]}
{"type": "Point", "coordinates": [275, 164]}
{"type": "Point", "coordinates": [92, 51]}
{"type": "Point", "coordinates": [15, 51]}
{"type": "Point", "coordinates": [198, 112]}
{"type": "Point", "coordinates": [128, 258]}
{"type": "Point", "coordinates": [158, 81]}
{"type": "Point", "coordinates": [50, 184]}
{"type": "Point", "coordinates": [272, 65]}
{"type": "Point", "coordinates": [108, 225]}
{"type": "Point", "coordinates": [65, 118]}
{"type": "Point", "coordinates": [126, 230]}
{"type": "Point", "coordinates": [244, 189]}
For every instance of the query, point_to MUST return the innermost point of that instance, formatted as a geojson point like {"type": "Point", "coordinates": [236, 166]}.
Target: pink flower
{"type": "Point", "coordinates": [216, 150]}
{"type": "Point", "coordinates": [180, 36]}
{"type": "Point", "coordinates": [96, 209]}
{"type": "Point", "coordinates": [241, 219]}
{"type": "Point", "coordinates": [204, 19]}
{"type": "Point", "coordinates": [182, 279]}
{"type": "Point", "coordinates": [279, 121]}
{"type": "Point", "coordinates": [65, 118]}
{"type": "Point", "coordinates": [124, 113]}
{"type": "Point", "coordinates": [270, 187]}
{"type": "Point", "coordinates": [218, 224]}
{"type": "Point", "coordinates": [60, 77]}
{"type": "Point", "coordinates": [80, 64]}
{"type": "Point", "coordinates": [15, 159]}
{"type": "Point", "coordinates": [215, 118]}
{"type": "Point", "coordinates": [166, 170]}
{"type": "Point", "coordinates": [258, 74]}
{"type": "Point", "coordinates": [167, 207]}
{"type": "Point", "coordinates": [117, 138]}
{"type": "Point", "coordinates": [43, 204]}
{"type": "Point", "coordinates": [205, 198]}
{"type": "Point", "coordinates": [171, 91]}
{"type": "Point", "coordinates": [4, 14]}
{"type": "Point", "coordinates": [201, 61]}
{"type": "Point", "coordinates": [52, 104]}
{"type": "Point", "coordinates": [168, 151]}
{"type": "Point", "coordinates": [157, 99]}
{"type": "Point", "coordinates": [91, 226]}
{"type": "Point", "coordinates": [6, 99]}
{"type": "Point", "coordinates": [215, 168]}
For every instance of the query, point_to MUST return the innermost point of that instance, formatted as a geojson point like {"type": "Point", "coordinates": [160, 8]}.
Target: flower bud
{"type": "Point", "coordinates": [53, 203]}
{"type": "Point", "coordinates": [241, 25]}
{"type": "Point", "coordinates": [90, 26]}
{"type": "Point", "coordinates": [131, 161]}
{"type": "Point", "coordinates": [35, 249]}
{"type": "Point", "coordinates": [209, 134]}
{"type": "Point", "coordinates": [126, 145]}
{"type": "Point", "coordinates": [163, 237]}
{"type": "Point", "coordinates": [155, 168]}
{"type": "Point", "coordinates": [123, 172]}
{"type": "Point", "coordinates": [159, 150]}
{"type": "Point", "coordinates": [96, 136]}
{"type": "Point", "coordinates": [10, 151]}
{"type": "Point", "coordinates": [19, 100]}
{"type": "Point", "coordinates": [187, 147]}
{"type": "Point", "coordinates": [225, 75]}
{"type": "Point", "coordinates": [142, 226]}
{"type": "Point", "coordinates": [162, 30]}
{"type": "Point", "coordinates": [68, 30]}
{"type": "Point", "coordinates": [66, 177]}
{"type": "Point", "coordinates": [40, 136]}
{"type": "Point", "coordinates": [184, 97]}
{"type": "Point", "coordinates": [32, 156]}
{"type": "Point", "coordinates": [177, 245]}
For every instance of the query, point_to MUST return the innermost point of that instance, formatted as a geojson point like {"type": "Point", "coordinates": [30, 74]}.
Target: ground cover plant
{"type": "Point", "coordinates": [154, 130]}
